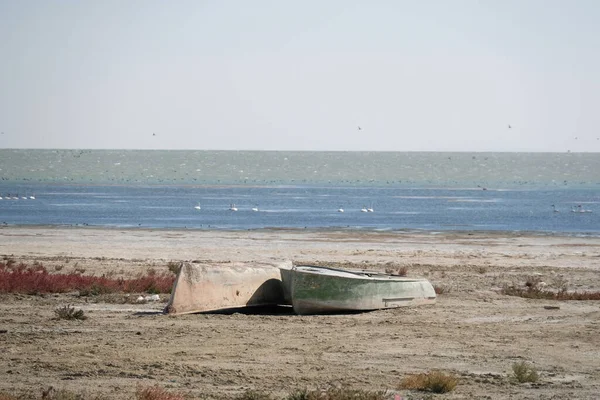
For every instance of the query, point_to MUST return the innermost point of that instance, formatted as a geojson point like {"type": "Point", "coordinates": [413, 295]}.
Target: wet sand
{"type": "Point", "coordinates": [473, 331]}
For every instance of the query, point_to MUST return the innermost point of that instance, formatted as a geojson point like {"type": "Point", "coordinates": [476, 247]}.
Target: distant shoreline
{"type": "Point", "coordinates": [292, 230]}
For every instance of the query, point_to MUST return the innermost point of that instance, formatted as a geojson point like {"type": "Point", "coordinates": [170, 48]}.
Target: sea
{"type": "Point", "coordinates": [545, 193]}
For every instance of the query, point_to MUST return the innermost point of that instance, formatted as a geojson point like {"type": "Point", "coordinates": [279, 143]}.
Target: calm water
{"type": "Point", "coordinates": [429, 191]}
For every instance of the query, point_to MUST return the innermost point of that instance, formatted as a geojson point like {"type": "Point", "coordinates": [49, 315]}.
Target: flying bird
{"type": "Point", "coordinates": [359, 128]}
{"type": "Point", "coordinates": [509, 127]}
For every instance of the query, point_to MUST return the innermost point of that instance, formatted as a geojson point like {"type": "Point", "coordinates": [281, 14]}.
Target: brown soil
{"type": "Point", "coordinates": [473, 331]}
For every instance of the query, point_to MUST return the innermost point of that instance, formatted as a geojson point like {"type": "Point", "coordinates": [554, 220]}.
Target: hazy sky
{"type": "Point", "coordinates": [301, 75]}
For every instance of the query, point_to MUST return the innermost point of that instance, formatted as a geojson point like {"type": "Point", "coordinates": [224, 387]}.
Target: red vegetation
{"type": "Point", "coordinates": [35, 279]}
{"type": "Point", "coordinates": [156, 393]}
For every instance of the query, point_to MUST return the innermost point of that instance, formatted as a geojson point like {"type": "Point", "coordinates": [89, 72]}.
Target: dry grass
{"type": "Point", "coordinates": [254, 395]}
{"type": "Point", "coordinates": [523, 372]}
{"type": "Point", "coordinates": [69, 313]}
{"type": "Point", "coordinates": [535, 292]}
{"type": "Point", "coordinates": [174, 267]}
{"type": "Point", "coordinates": [336, 394]}
{"type": "Point", "coordinates": [156, 393]}
{"type": "Point", "coordinates": [434, 381]}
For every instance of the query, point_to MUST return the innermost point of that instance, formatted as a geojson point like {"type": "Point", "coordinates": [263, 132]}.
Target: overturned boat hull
{"type": "Point", "coordinates": [212, 287]}
{"type": "Point", "coordinates": [316, 290]}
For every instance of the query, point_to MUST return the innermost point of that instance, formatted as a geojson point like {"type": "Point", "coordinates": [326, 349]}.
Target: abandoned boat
{"type": "Point", "coordinates": [212, 287]}
{"type": "Point", "coordinates": [316, 290]}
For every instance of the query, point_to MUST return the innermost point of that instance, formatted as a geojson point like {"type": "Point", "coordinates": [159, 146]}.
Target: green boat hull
{"type": "Point", "coordinates": [316, 290]}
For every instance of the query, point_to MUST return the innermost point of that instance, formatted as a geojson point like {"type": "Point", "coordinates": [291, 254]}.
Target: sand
{"type": "Point", "coordinates": [473, 331]}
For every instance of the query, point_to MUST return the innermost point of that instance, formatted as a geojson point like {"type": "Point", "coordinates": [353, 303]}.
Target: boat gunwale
{"type": "Point", "coordinates": [353, 274]}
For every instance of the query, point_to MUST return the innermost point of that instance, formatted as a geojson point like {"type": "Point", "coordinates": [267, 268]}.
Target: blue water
{"type": "Point", "coordinates": [303, 206]}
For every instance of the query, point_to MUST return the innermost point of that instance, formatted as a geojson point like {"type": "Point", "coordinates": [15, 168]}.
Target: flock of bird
{"type": "Point", "coordinates": [17, 197]}
{"type": "Point", "coordinates": [233, 207]}
{"type": "Point", "coordinates": [578, 209]}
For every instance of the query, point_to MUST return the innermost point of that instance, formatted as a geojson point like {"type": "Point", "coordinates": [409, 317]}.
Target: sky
{"type": "Point", "coordinates": [301, 75]}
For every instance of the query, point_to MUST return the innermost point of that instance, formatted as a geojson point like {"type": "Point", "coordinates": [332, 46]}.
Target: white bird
{"type": "Point", "coordinates": [32, 197]}
{"type": "Point", "coordinates": [232, 207]}
{"type": "Point", "coordinates": [370, 209]}
{"type": "Point", "coordinates": [364, 209]}
{"type": "Point", "coordinates": [554, 208]}
{"type": "Point", "coordinates": [197, 207]}
{"type": "Point", "coordinates": [255, 208]}
{"type": "Point", "coordinates": [579, 209]}
{"type": "Point", "coordinates": [340, 210]}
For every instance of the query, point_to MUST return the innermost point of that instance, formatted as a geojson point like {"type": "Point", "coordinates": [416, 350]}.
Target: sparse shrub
{"type": "Point", "coordinates": [434, 381]}
{"type": "Point", "coordinates": [174, 267]}
{"type": "Point", "coordinates": [109, 274]}
{"type": "Point", "coordinates": [156, 393]}
{"type": "Point", "coordinates": [482, 270]}
{"type": "Point", "coordinates": [58, 267]}
{"type": "Point", "coordinates": [151, 271]}
{"type": "Point", "coordinates": [254, 395]}
{"type": "Point", "coordinates": [534, 292]}
{"type": "Point", "coordinates": [62, 394]}
{"type": "Point", "coordinates": [79, 270]}
{"type": "Point", "coordinates": [336, 394]}
{"type": "Point", "coordinates": [69, 313]}
{"type": "Point", "coordinates": [297, 395]}
{"type": "Point", "coordinates": [524, 372]}
{"type": "Point", "coordinates": [560, 283]}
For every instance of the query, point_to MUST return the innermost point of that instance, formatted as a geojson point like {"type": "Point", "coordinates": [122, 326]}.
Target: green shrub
{"type": "Point", "coordinates": [69, 313]}
{"type": "Point", "coordinates": [524, 372]}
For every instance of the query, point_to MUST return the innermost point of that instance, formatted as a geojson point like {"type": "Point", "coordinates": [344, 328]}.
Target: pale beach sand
{"type": "Point", "coordinates": [473, 330]}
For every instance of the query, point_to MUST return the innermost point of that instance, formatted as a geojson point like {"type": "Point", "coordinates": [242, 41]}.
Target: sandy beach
{"type": "Point", "coordinates": [473, 331]}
